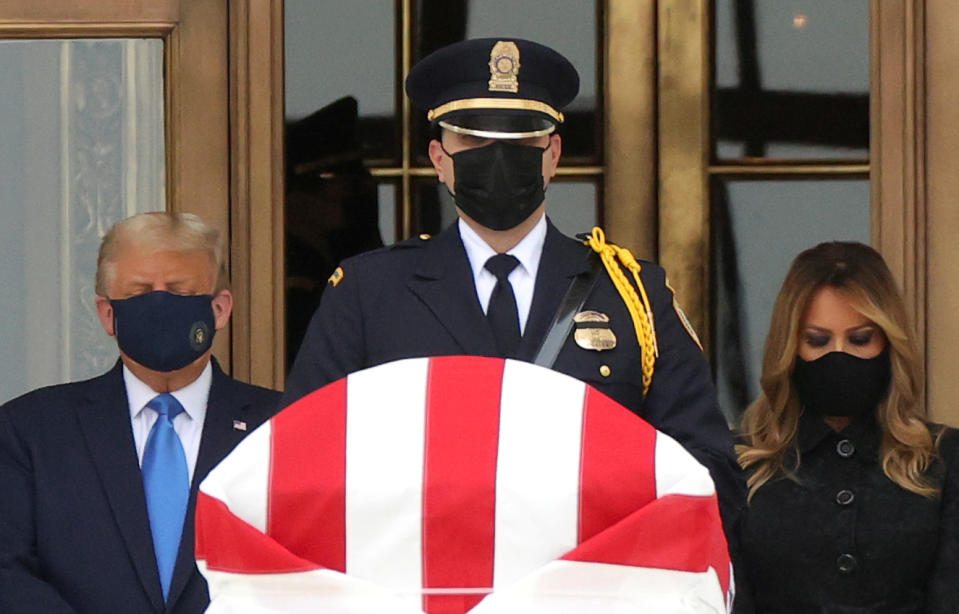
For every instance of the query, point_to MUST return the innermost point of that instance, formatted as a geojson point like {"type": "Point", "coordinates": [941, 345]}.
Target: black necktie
{"type": "Point", "coordinates": [501, 313]}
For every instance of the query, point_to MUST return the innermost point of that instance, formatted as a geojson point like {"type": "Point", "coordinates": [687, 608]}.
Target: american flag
{"type": "Point", "coordinates": [453, 484]}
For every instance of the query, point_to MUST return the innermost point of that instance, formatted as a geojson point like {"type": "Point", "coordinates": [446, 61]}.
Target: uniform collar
{"type": "Point", "coordinates": [527, 251]}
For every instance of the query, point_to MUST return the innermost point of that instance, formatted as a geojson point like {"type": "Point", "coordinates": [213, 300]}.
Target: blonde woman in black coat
{"type": "Point", "coordinates": [853, 494]}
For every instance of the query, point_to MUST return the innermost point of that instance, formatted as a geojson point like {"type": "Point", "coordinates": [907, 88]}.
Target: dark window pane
{"type": "Point", "coordinates": [569, 26]}
{"type": "Point", "coordinates": [330, 216]}
{"type": "Point", "coordinates": [325, 62]}
{"type": "Point", "coordinates": [571, 205]}
{"type": "Point", "coordinates": [388, 192]}
{"type": "Point", "coordinates": [791, 79]}
{"type": "Point", "coordinates": [433, 208]}
{"type": "Point", "coordinates": [758, 228]}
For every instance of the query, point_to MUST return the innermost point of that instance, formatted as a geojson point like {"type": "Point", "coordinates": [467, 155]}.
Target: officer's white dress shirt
{"type": "Point", "coordinates": [522, 278]}
{"type": "Point", "coordinates": [188, 425]}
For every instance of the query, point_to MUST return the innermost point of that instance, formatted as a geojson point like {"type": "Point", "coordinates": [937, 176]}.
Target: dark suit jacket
{"type": "Point", "coordinates": [74, 534]}
{"type": "Point", "coordinates": [417, 298]}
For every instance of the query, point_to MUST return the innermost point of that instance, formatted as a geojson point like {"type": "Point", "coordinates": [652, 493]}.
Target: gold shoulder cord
{"type": "Point", "coordinates": [638, 305]}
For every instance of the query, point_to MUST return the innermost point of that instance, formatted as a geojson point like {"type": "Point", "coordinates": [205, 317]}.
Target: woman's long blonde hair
{"type": "Point", "coordinates": [771, 422]}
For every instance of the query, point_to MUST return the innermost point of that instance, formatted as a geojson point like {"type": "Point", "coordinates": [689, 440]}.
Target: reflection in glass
{"type": "Point", "coordinates": [82, 147]}
{"type": "Point", "coordinates": [332, 208]}
{"type": "Point", "coordinates": [569, 26]}
{"type": "Point", "coordinates": [326, 60]}
{"type": "Point", "coordinates": [758, 228]}
{"type": "Point", "coordinates": [571, 205]}
{"type": "Point", "coordinates": [791, 79]}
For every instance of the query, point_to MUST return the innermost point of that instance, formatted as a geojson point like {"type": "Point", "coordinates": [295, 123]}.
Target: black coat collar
{"type": "Point", "coordinates": [864, 433]}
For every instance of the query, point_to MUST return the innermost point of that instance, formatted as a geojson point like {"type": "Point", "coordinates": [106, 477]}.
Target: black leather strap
{"type": "Point", "coordinates": [571, 304]}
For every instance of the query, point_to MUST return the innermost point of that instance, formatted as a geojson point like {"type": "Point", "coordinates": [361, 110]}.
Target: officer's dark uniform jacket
{"type": "Point", "coordinates": [845, 539]}
{"type": "Point", "coordinates": [418, 298]}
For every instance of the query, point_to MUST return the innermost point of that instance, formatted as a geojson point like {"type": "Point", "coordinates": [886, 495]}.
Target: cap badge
{"type": "Point", "coordinates": [593, 331]}
{"type": "Point", "coordinates": [504, 67]}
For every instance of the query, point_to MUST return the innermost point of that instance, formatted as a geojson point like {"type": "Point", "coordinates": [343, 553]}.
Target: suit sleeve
{"type": "Point", "coordinates": [682, 403]}
{"type": "Point", "coordinates": [23, 589]}
{"type": "Point", "coordinates": [334, 343]}
{"type": "Point", "coordinates": [943, 593]}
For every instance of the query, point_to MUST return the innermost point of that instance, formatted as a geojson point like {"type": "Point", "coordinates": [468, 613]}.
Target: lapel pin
{"type": "Point", "coordinates": [239, 425]}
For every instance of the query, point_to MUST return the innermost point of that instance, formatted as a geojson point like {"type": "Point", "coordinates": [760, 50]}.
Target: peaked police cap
{"type": "Point", "coordinates": [494, 87]}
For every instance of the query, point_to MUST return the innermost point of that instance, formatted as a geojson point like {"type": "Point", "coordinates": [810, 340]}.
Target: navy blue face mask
{"type": "Point", "coordinates": [163, 331]}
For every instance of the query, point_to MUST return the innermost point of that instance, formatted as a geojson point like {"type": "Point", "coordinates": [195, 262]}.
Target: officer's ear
{"type": "Point", "coordinates": [437, 156]}
{"type": "Point", "coordinates": [551, 161]}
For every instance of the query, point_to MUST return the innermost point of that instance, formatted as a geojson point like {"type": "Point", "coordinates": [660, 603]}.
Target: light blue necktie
{"type": "Point", "coordinates": [166, 481]}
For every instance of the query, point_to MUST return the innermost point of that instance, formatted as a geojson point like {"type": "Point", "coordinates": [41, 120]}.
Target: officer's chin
{"type": "Point", "coordinates": [527, 223]}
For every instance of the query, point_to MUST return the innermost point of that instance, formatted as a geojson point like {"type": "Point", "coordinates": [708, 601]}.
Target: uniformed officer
{"type": "Point", "coordinates": [500, 280]}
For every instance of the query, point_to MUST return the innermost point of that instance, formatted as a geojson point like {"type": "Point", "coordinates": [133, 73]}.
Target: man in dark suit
{"type": "Point", "coordinates": [494, 282]}
{"type": "Point", "coordinates": [98, 478]}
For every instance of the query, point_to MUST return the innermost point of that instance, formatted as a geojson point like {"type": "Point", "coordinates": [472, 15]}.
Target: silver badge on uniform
{"type": "Point", "coordinates": [592, 331]}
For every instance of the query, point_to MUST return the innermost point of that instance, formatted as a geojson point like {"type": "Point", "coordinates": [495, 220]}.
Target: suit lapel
{"type": "Point", "coordinates": [444, 282]}
{"type": "Point", "coordinates": [104, 419]}
{"type": "Point", "coordinates": [218, 438]}
{"type": "Point", "coordinates": [563, 259]}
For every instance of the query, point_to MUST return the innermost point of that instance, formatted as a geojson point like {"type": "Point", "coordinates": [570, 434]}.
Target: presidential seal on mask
{"type": "Point", "coordinates": [502, 280]}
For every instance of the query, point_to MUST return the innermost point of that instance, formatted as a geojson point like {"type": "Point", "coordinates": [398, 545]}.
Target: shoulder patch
{"type": "Point", "coordinates": [682, 318]}
{"type": "Point", "coordinates": [336, 277]}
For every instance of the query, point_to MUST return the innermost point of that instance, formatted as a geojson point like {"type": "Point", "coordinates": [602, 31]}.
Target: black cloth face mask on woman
{"type": "Point", "coordinates": [840, 384]}
{"type": "Point", "coordinates": [499, 185]}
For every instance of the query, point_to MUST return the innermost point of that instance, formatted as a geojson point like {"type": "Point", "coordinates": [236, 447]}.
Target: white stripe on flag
{"type": "Point", "coordinates": [242, 479]}
{"type": "Point", "coordinates": [537, 476]}
{"type": "Point", "coordinates": [677, 472]}
{"type": "Point", "coordinates": [319, 590]}
{"type": "Point", "coordinates": [384, 474]}
{"type": "Point", "coordinates": [574, 587]}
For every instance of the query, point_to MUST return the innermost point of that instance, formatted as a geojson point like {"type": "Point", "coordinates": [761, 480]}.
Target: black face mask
{"type": "Point", "coordinates": [840, 384]}
{"type": "Point", "coordinates": [499, 185]}
{"type": "Point", "coordinates": [164, 331]}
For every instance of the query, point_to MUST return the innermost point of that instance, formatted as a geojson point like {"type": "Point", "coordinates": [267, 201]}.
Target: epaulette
{"type": "Point", "coordinates": [614, 259]}
{"type": "Point", "coordinates": [417, 241]}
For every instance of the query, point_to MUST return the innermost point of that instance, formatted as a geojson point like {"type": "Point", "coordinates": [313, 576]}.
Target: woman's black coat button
{"type": "Point", "coordinates": [845, 497]}
{"type": "Point", "coordinates": [845, 448]}
{"type": "Point", "coordinates": [846, 563]}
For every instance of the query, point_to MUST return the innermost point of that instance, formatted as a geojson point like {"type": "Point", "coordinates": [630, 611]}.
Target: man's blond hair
{"type": "Point", "coordinates": [161, 231]}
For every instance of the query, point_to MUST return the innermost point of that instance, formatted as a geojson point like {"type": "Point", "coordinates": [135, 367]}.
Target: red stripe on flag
{"type": "Point", "coordinates": [615, 444]}
{"type": "Point", "coordinates": [679, 532]}
{"type": "Point", "coordinates": [229, 544]}
{"type": "Point", "coordinates": [306, 510]}
{"type": "Point", "coordinates": [459, 481]}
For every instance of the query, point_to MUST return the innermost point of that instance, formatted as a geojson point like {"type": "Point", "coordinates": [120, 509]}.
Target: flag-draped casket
{"type": "Point", "coordinates": [454, 484]}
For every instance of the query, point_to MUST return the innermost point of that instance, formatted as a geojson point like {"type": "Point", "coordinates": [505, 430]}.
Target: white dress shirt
{"type": "Point", "coordinates": [188, 425]}
{"type": "Point", "coordinates": [522, 278]}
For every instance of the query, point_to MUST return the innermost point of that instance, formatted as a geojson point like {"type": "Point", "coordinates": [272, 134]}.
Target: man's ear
{"type": "Point", "coordinates": [105, 313]}
{"type": "Point", "coordinates": [222, 308]}
{"type": "Point", "coordinates": [436, 157]}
